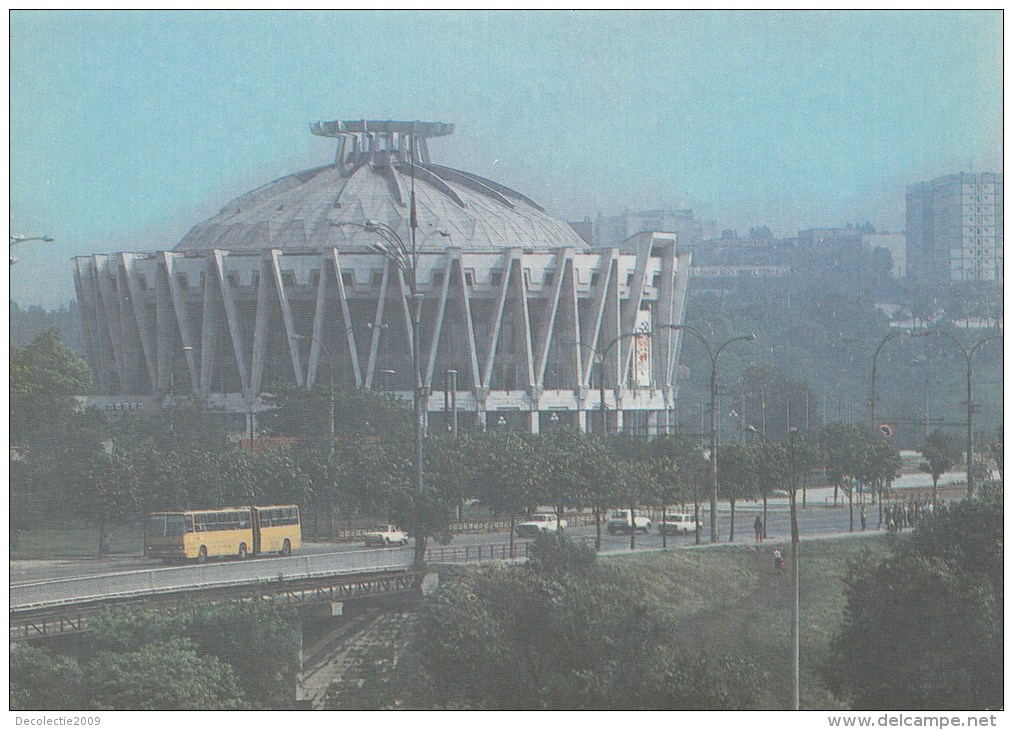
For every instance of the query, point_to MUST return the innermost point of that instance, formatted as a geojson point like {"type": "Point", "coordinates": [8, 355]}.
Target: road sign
{"type": "Point", "coordinates": [884, 428]}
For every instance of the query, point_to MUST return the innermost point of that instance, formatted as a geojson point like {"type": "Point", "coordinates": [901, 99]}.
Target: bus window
{"type": "Point", "coordinates": [244, 520]}
{"type": "Point", "coordinates": [156, 526]}
{"type": "Point", "coordinates": [175, 526]}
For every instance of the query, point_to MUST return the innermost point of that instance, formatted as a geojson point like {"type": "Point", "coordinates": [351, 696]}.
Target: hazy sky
{"type": "Point", "coordinates": [127, 128]}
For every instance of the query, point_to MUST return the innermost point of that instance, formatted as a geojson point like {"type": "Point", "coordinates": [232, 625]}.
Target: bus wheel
{"type": "Point", "coordinates": [242, 551]}
{"type": "Point", "coordinates": [202, 554]}
{"type": "Point", "coordinates": [286, 548]}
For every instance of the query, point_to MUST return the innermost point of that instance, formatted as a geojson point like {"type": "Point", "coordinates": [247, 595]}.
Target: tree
{"type": "Point", "coordinates": [941, 454]}
{"type": "Point", "coordinates": [843, 447]}
{"type": "Point", "coordinates": [772, 471]}
{"type": "Point", "coordinates": [509, 475]}
{"type": "Point", "coordinates": [562, 632]}
{"type": "Point", "coordinates": [255, 642]}
{"type": "Point", "coordinates": [738, 476]}
{"type": "Point", "coordinates": [39, 681]}
{"type": "Point", "coordinates": [636, 479]}
{"type": "Point", "coordinates": [44, 377]}
{"type": "Point", "coordinates": [923, 628]}
{"type": "Point", "coordinates": [305, 412]}
{"type": "Point", "coordinates": [161, 676]}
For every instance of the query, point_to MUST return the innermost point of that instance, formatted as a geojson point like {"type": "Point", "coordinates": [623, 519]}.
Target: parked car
{"type": "Point", "coordinates": [385, 535]}
{"type": "Point", "coordinates": [540, 523]}
{"type": "Point", "coordinates": [619, 521]}
{"type": "Point", "coordinates": [677, 523]}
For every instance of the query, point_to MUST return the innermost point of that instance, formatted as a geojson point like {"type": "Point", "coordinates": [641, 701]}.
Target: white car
{"type": "Point", "coordinates": [679, 523]}
{"type": "Point", "coordinates": [619, 521]}
{"type": "Point", "coordinates": [540, 523]}
{"type": "Point", "coordinates": [385, 535]}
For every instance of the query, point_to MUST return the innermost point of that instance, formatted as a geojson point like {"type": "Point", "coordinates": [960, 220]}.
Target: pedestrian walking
{"type": "Point", "coordinates": [103, 546]}
{"type": "Point", "coordinates": [758, 528]}
{"type": "Point", "coordinates": [862, 515]}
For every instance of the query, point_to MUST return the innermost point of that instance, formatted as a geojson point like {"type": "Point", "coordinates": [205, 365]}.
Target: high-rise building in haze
{"type": "Point", "coordinates": [954, 229]}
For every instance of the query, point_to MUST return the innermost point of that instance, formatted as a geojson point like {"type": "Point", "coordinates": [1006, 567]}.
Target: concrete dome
{"type": "Point", "coordinates": [371, 179]}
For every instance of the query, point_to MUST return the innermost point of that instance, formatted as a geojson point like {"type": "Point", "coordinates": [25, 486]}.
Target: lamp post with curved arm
{"type": "Point", "coordinates": [714, 410]}
{"type": "Point", "coordinates": [968, 354]}
{"type": "Point", "coordinates": [406, 258]}
{"type": "Point", "coordinates": [600, 356]}
{"type": "Point", "coordinates": [25, 239]}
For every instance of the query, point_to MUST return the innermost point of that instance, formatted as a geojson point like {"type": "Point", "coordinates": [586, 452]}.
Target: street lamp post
{"type": "Point", "coordinates": [600, 355]}
{"type": "Point", "coordinates": [968, 354]}
{"type": "Point", "coordinates": [450, 401]}
{"type": "Point", "coordinates": [714, 411]}
{"type": "Point", "coordinates": [406, 258]}
{"type": "Point", "coordinates": [795, 546]}
{"type": "Point", "coordinates": [25, 239]}
{"type": "Point", "coordinates": [752, 429]}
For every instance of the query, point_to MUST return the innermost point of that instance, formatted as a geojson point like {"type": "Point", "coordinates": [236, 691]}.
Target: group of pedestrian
{"type": "Point", "coordinates": [910, 514]}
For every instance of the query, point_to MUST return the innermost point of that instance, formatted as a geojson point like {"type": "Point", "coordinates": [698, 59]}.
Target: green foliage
{"type": "Point", "coordinates": [305, 413]}
{"type": "Point", "coordinates": [255, 643]}
{"type": "Point", "coordinates": [39, 681]}
{"type": "Point", "coordinates": [941, 454]}
{"type": "Point", "coordinates": [562, 632]}
{"type": "Point", "coordinates": [923, 628]}
{"type": "Point", "coordinates": [161, 676]}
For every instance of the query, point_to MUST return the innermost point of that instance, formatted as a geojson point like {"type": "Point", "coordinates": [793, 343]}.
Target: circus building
{"type": "Point", "coordinates": [521, 321]}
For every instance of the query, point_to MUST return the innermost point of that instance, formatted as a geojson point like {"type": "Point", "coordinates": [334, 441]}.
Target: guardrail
{"type": "Point", "coordinates": [477, 553]}
{"type": "Point", "coordinates": [468, 527]}
{"type": "Point", "coordinates": [41, 622]}
{"type": "Point", "coordinates": [66, 591]}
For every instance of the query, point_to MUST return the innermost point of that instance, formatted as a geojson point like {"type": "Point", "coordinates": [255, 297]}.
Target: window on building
{"type": "Point", "coordinates": [288, 279]}
{"type": "Point", "coordinates": [496, 278]}
{"type": "Point", "coordinates": [550, 276]}
{"type": "Point", "coordinates": [469, 278]}
{"type": "Point", "coordinates": [347, 278]}
{"type": "Point", "coordinates": [377, 278]}
{"type": "Point", "coordinates": [314, 278]}
{"type": "Point", "coordinates": [438, 278]}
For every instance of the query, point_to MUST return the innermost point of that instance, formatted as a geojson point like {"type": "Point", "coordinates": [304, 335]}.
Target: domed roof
{"type": "Point", "coordinates": [377, 166]}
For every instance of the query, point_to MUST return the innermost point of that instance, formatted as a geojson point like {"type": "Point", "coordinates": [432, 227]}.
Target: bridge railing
{"type": "Point", "coordinates": [468, 527]}
{"type": "Point", "coordinates": [195, 577]}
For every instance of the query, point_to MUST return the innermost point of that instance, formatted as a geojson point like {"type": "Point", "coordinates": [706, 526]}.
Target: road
{"type": "Point", "coordinates": [35, 582]}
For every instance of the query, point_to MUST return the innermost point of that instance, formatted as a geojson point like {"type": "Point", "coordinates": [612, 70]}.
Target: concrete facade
{"type": "Point", "coordinates": [233, 313]}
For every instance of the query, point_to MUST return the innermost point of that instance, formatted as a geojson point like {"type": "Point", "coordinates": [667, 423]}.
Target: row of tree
{"type": "Point", "coordinates": [79, 464]}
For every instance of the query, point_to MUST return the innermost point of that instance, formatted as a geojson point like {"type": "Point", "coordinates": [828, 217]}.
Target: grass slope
{"type": "Point", "coordinates": [727, 600]}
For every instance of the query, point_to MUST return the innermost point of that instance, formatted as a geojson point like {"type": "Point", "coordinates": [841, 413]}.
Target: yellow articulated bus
{"type": "Point", "coordinates": [232, 531]}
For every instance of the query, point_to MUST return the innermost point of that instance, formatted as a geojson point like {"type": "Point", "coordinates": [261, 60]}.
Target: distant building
{"type": "Point", "coordinates": [896, 244]}
{"type": "Point", "coordinates": [612, 230]}
{"type": "Point", "coordinates": [815, 238]}
{"type": "Point", "coordinates": [584, 229]}
{"type": "Point", "coordinates": [954, 229]}
{"type": "Point", "coordinates": [736, 251]}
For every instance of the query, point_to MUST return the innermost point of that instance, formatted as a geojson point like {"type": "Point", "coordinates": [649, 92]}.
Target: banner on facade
{"type": "Point", "coordinates": [642, 352]}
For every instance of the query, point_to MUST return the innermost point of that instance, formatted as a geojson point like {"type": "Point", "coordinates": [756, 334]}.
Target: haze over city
{"type": "Point", "coordinates": [127, 129]}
